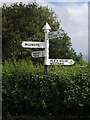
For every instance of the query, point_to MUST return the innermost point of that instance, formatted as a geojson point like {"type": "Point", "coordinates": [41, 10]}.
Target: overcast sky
{"type": "Point", "coordinates": [74, 19]}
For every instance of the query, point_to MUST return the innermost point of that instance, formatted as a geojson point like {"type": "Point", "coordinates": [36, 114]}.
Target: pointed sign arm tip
{"type": "Point", "coordinates": [73, 62]}
{"type": "Point", "coordinates": [22, 43]}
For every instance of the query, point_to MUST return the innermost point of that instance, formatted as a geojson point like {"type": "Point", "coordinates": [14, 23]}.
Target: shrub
{"type": "Point", "coordinates": [27, 90]}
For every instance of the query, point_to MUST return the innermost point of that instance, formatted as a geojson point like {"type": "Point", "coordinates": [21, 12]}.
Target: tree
{"type": "Point", "coordinates": [24, 23]}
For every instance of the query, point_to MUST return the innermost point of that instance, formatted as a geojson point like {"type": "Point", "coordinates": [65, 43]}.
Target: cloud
{"type": "Point", "coordinates": [74, 20]}
{"type": "Point", "coordinates": [71, 0]}
{"type": "Point", "coordinates": [73, 17]}
{"type": "Point", "coordinates": [64, 0]}
{"type": "Point", "coordinates": [78, 20]}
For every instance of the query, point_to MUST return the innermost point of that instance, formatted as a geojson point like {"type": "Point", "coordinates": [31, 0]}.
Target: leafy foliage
{"type": "Point", "coordinates": [24, 23]}
{"type": "Point", "coordinates": [27, 90]}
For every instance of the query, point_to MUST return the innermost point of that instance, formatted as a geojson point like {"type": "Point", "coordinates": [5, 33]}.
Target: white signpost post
{"type": "Point", "coordinates": [46, 29]}
{"type": "Point", "coordinates": [35, 54]}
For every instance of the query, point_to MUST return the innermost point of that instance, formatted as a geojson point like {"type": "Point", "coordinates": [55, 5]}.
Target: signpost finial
{"type": "Point", "coordinates": [46, 26]}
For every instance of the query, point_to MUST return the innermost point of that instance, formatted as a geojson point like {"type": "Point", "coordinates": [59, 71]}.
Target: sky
{"type": "Point", "coordinates": [73, 16]}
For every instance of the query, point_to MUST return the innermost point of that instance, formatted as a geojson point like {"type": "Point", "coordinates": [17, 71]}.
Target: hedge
{"type": "Point", "coordinates": [27, 90]}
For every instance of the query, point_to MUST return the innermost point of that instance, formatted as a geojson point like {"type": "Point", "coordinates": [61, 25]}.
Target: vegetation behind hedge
{"type": "Point", "coordinates": [27, 90]}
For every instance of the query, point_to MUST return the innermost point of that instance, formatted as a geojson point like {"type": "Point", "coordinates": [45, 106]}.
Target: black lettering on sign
{"type": "Point", "coordinates": [51, 62]}
{"type": "Point", "coordinates": [36, 44]}
{"type": "Point", "coordinates": [56, 61]}
{"type": "Point", "coordinates": [32, 44]}
{"type": "Point", "coordinates": [42, 54]}
{"type": "Point", "coordinates": [25, 44]}
{"type": "Point", "coordinates": [66, 60]}
{"type": "Point", "coordinates": [35, 54]}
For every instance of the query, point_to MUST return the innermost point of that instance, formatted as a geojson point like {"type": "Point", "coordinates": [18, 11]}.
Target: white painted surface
{"type": "Point", "coordinates": [27, 44]}
{"type": "Point", "coordinates": [61, 62]}
{"type": "Point", "coordinates": [46, 30]}
{"type": "Point", "coordinates": [37, 54]}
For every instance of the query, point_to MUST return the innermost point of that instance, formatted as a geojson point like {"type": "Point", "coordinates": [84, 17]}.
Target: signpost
{"type": "Point", "coordinates": [46, 29]}
{"type": "Point", "coordinates": [27, 44]}
{"type": "Point", "coordinates": [61, 62]}
{"type": "Point", "coordinates": [35, 54]}
{"type": "Point", "coordinates": [54, 34]}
